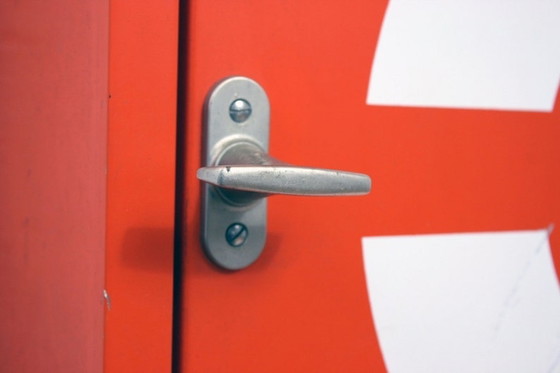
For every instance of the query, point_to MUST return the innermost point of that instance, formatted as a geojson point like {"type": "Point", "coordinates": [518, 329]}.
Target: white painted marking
{"type": "Point", "coordinates": [476, 302]}
{"type": "Point", "coordinates": [477, 54]}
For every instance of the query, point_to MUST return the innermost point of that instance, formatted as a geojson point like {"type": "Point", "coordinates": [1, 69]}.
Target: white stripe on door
{"type": "Point", "coordinates": [472, 302]}
{"type": "Point", "coordinates": [478, 54]}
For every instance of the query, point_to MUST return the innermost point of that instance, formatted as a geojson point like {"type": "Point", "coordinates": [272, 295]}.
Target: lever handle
{"type": "Point", "coordinates": [265, 175]}
{"type": "Point", "coordinates": [238, 174]}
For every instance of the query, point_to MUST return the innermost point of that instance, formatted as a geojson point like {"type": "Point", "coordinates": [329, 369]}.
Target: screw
{"type": "Point", "coordinates": [240, 110]}
{"type": "Point", "coordinates": [236, 234]}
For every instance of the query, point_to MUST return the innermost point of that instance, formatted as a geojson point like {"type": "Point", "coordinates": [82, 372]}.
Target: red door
{"type": "Point", "coordinates": [439, 167]}
{"type": "Point", "coordinates": [303, 305]}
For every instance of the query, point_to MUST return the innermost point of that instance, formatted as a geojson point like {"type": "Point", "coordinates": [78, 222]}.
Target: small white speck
{"type": "Point", "coordinates": [107, 299]}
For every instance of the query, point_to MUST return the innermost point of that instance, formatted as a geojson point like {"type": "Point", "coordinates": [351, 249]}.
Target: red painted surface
{"type": "Point", "coordinates": [53, 127]}
{"type": "Point", "coordinates": [303, 306]}
{"type": "Point", "coordinates": [141, 185]}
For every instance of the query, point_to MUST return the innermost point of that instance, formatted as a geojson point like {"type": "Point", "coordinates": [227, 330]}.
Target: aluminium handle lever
{"type": "Point", "coordinates": [290, 180]}
{"type": "Point", "coordinates": [265, 175]}
{"type": "Point", "coordinates": [238, 173]}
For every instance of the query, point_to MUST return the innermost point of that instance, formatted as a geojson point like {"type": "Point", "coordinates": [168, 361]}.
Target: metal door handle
{"type": "Point", "coordinates": [245, 167]}
{"type": "Point", "coordinates": [238, 174]}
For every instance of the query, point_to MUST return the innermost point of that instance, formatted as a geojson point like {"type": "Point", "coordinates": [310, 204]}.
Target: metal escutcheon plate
{"type": "Point", "coordinates": [222, 129]}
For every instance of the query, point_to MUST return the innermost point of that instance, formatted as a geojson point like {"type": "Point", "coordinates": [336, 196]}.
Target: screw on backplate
{"type": "Point", "coordinates": [240, 110]}
{"type": "Point", "coordinates": [236, 234]}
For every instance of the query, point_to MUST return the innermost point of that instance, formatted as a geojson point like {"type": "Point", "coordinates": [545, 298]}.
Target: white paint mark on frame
{"type": "Point", "coordinates": [473, 302]}
{"type": "Point", "coordinates": [476, 54]}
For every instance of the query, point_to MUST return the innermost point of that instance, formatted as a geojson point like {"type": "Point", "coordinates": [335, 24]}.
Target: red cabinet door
{"type": "Point", "coordinates": [303, 305]}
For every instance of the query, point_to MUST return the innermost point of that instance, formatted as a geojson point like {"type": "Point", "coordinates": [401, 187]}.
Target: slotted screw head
{"type": "Point", "coordinates": [236, 234]}
{"type": "Point", "coordinates": [240, 110]}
